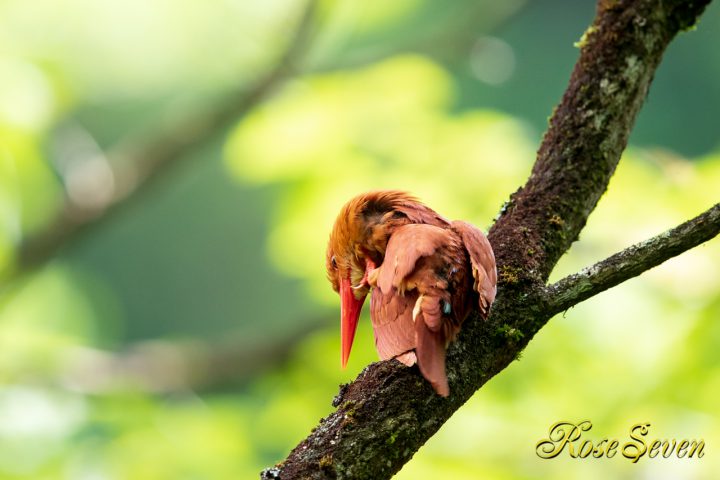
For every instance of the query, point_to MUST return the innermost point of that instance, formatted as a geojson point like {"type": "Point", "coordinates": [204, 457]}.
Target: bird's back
{"type": "Point", "coordinates": [423, 292]}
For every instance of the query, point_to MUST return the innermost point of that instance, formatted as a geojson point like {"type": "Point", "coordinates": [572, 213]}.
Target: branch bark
{"type": "Point", "coordinates": [632, 261]}
{"type": "Point", "coordinates": [388, 412]}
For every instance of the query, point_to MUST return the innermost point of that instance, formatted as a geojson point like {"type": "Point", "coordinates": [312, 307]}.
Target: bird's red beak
{"type": "Point", "coordinates": [349, 313]}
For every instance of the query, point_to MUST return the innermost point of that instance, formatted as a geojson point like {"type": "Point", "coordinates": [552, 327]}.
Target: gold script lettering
{"type": "Point", "coordinates": [697, 447]}
{"type": "Point", "coordinates": [561, 434]}
{"type": "Point", "coordinates": [635, 450]}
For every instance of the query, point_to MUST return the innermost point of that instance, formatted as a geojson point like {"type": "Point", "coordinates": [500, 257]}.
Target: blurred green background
{"type": "Point", "coordinates": [191, 334]}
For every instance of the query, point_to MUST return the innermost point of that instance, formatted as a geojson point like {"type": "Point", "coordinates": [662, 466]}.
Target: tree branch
{"type": "Point", "coordinates": [389, 411]}
{"type": "Point", "coordinates": [163, 366]}
{"type": "Point", "coordinates": [633, 261]}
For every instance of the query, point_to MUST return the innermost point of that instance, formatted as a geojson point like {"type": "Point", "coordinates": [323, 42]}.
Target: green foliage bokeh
{"type": "Point", "coordinates": [229, 250]}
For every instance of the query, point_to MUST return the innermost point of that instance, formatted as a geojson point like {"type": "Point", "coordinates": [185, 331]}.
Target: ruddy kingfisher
{"type": "Point", "coordinates": [425, 274]}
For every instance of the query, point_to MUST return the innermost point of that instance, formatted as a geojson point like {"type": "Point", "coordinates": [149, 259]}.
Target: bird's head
{"type": "Point", "coordinates": [357, 245]}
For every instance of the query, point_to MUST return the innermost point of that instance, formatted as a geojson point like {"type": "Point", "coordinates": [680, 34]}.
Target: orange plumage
{"type": "Point", "coordinates": [426, 275]}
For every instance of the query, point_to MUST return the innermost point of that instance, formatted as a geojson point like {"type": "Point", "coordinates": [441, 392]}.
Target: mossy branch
{"type": "Point", "coordinates": [632, 261]}
{"type": "Point", "coordinates": [389, 411]}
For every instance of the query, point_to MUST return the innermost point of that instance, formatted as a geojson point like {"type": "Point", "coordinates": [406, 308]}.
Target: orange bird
{"type": "Point", "coordinates": [425, 272]}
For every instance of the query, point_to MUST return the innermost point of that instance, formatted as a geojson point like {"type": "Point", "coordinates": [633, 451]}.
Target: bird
{"type": "Point", "coordinates": [424, 275]}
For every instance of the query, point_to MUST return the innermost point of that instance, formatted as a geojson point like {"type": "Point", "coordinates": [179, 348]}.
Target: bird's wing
{"type": "Point", "coordinates": [431, 342]}
{"type": "Point", "coordinates": [483, 263]}
{"type": "Point", "coordinates": [418, 213]}
{"type": "Point", "coordinates": [402, 318]}
{"type": "Point", "coordinates": [406, 245]}
{"type": "Point", "coordinates": [409, 328]}
{"type": "Point", "coordinates": [392, 322]}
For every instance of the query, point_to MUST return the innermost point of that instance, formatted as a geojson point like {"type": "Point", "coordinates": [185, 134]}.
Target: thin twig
{"type": "Point", "coordinates": [633, 261]}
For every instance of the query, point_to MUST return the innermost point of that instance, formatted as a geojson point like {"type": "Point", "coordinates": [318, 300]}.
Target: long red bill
{"type": "Point", "coordinates": [349, 313]}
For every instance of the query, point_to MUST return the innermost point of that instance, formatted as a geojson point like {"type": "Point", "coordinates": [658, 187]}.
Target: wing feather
{"type": "Point", "coordinates": [392, 323]}
{"type": "Point", "coordinates": [406, 245]}
{"type": "Point", "coordinates": [431, 343]}
{"type": "Point", "coordinates": [482, 259]}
